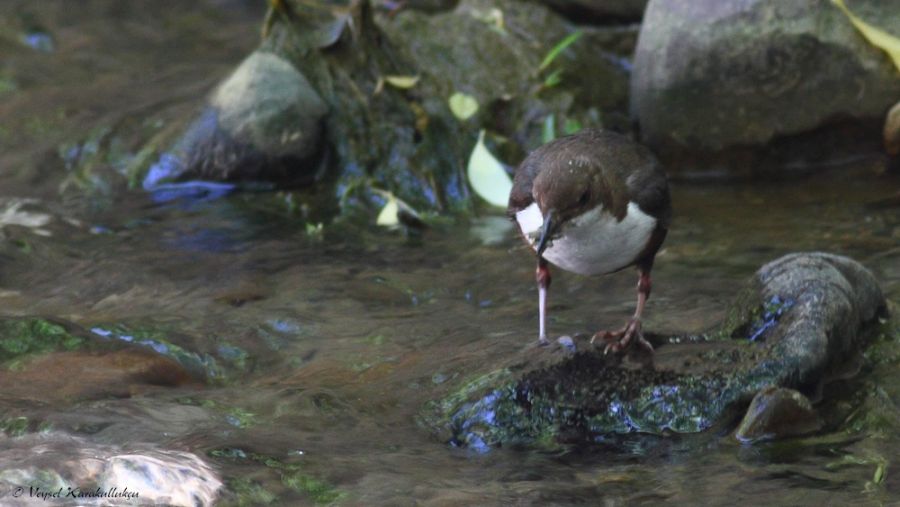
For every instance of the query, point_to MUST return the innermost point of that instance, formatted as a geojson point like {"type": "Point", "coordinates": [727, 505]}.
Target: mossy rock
{"type": "Point", "coordinates": [366, 133]}
{"type": "Point", "coordinates": [797, 319]}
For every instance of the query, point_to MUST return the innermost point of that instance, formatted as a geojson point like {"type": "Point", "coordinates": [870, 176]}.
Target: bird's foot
{"type": "Point", "coordinates": [542, 341]}
{"type": "Point", "coordinates": [617, 341]}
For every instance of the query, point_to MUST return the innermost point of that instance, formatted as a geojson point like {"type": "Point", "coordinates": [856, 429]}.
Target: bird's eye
{"type": "Point", "coordinates": [585, 197]}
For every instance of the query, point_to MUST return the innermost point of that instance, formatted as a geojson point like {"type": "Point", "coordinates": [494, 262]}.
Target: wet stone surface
{"type": "Point", "coordinates": [777, 412]}
{"type": "Point", "coordinates": [799, 316]}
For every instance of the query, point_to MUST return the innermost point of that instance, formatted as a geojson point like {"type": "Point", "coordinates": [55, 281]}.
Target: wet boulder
{"type": "Point", "coordinates": [713, 75]}
{"type": "Point", "coordinates": [264, 123]}
{"type": "Point", "coordinates": [798, 318]}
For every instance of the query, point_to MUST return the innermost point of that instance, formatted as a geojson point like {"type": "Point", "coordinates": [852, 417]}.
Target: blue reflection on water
{"type": "Point", "coordinates": [160, 348]}
{"type": "Point", "coordinates": [39, 41]}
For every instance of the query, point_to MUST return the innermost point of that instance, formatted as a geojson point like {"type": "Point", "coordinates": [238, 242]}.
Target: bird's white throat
{"type": "Point", "coordinates": [592, 243]}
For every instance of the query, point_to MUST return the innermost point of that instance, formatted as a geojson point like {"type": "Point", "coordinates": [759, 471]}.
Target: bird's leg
{"type": "Point", "coordinates": [620, 340]}
{"type": "Point", "coordinates": [542, 275]}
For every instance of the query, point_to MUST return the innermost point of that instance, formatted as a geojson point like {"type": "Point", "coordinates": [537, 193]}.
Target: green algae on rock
{"type": "Point", "coordinates": [690, 387]}
{"type": "Point", "coordinates": [27, 336]}
{"type": "Point", "coordinates": [291, 476]}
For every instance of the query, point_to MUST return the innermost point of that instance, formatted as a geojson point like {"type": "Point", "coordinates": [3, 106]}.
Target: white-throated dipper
{"type": "Point", "coordinates": [593, 203]}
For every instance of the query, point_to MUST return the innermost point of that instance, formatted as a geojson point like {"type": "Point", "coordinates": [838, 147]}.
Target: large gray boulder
{"type": "Point", "coordinates": [714, 74]}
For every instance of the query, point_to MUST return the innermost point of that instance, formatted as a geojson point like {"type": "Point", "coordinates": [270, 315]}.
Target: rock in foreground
{"type": "Point", "coordinates": [90, 473]}
{"type": "Point", "coordinates": [799, 317]}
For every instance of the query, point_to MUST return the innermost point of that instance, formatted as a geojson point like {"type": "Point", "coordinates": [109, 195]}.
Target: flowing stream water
{"type": "Point", "coordinates": [322, 347]}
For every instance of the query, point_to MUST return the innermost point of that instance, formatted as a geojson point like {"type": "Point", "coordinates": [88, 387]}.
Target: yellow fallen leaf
{"type": "Point", "coordinates": [487, 176]}
{"type": "Point", "coordinates": [876, 36]}
{"type": "Point", "coordinates": [462, 106]}
{"type": "Point", "coordinates": [402, 82]}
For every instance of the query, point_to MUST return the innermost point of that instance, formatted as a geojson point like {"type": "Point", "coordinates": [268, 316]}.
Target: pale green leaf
{"type": "Point", "coordinates": [396, 212]}
{"type": "Point", "coordinates": [878, 478]}
{"type": "Point", "coordinates": [487, 176]}
{"type": "Point", "coordinates": [402, 82]}
{"type": "Point", "coordinates": [553, 79]}
{"type": "Point", "coordinates": [559, 48]}
{"type": "Point", "coordinates": [548, 132]}
{"type": "Point", "coordinates": [877, 37]}
{"type": "Point", "coordinates": [389, 216]}
{"type": "Point", "coordinates": [571, 126]}
{"type": "Point", "coordinates": [462, 106]}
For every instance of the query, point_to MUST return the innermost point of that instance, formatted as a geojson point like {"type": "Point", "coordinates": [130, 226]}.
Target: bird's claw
{"type": "Point", "coordinates": [617, 341]}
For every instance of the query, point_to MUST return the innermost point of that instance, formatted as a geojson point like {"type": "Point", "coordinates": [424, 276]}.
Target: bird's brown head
{"type": "Point", "coordinates": [564, 191]}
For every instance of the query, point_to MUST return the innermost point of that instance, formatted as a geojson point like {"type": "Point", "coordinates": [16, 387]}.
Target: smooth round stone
{"type": "Point", "coordinates": [777, 412]}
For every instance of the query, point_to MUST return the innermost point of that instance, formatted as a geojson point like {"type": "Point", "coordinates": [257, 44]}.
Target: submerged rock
{"type": "Point", "coordinates": [799, 317]}
{"type": "Point", "coordinates": [262, 124]}
{"type": "Point", "coordinates": [59, 362]}
{"type": "Point", "coordinates": [62, 377]}
{"type": "Point", "coordinates": [710, 75]}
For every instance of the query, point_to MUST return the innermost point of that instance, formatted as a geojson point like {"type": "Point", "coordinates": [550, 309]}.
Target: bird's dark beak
{"type": "Point", "coordinates": [546, 232]}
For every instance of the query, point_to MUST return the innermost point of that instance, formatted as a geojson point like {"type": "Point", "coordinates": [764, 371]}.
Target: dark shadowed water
{"type": "Point", "coordinates": [322, 348]}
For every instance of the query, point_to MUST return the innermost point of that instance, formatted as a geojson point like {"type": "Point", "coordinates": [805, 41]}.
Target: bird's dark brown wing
{"type": "Point", "coordinates": [645, 180]}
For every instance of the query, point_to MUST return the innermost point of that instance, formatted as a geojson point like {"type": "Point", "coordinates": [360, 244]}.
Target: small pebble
{"type": "Point", "coordinates": [567, 343]}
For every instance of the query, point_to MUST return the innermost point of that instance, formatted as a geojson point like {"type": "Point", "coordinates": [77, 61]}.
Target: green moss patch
{"type": "Point", "coordinates": [291, 474]}
{"type": "Point", "coordinates": [23, 337]}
